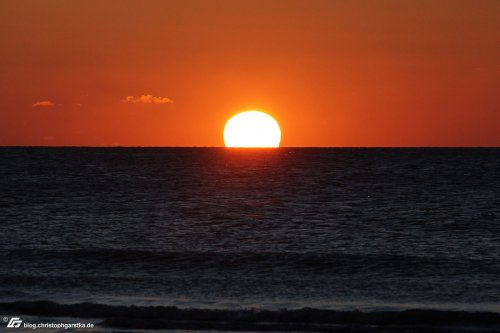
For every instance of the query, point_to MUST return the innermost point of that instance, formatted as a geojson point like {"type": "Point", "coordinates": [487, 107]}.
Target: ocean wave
{"type": "Point", "coordinates": [318, 262]}
{"type": "Point", "coordinates": [305, 319]}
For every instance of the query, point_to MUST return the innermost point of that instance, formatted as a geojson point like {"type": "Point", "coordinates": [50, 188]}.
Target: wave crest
{"type": "Point", "coordinates": [306, 319]}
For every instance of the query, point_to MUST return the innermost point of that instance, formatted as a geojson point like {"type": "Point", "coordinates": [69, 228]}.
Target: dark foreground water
{"type": "Point", "coordinates": [375, 230]}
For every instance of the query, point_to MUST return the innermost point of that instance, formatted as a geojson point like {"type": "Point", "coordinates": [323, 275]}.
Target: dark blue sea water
{"type": "Point", "coordinates": [339, 229]}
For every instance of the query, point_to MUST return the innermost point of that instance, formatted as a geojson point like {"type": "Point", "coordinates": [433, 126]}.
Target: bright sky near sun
{"type": "Point", "coordinates": [171, 73]}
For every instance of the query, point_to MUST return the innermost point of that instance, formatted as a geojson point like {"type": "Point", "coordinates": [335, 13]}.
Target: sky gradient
{"type": "Point", "coordinates": [171, 73]}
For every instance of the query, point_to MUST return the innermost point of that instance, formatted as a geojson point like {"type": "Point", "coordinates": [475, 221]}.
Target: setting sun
{"type": "Point", "coordinates": [252, 129]}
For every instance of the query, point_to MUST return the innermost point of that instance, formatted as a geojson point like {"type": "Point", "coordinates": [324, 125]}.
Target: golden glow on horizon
{"type": "Point", "coordinates": [252, 129]}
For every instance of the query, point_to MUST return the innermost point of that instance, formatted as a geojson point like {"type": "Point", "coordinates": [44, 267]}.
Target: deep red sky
{"type": "Point", "coordinates": [333, 73]}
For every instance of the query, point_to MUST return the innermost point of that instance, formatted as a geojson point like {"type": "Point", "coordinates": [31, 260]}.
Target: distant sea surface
{"type": "Point", "coordinates": [213, 228]}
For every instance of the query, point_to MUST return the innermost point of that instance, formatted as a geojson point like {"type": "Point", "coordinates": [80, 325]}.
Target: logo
{"type": "Point", "coordinates": [14, 322]}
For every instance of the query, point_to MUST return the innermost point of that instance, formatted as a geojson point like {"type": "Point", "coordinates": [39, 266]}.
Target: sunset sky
{"type": "Point", "coordinates": [171, 73]}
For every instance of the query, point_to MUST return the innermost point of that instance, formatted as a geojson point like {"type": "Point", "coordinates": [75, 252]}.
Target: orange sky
{"type": "Point", "coordinates": [333, 73]}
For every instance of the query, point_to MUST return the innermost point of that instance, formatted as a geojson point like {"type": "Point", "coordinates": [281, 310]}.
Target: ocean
{"type": "Point", "coordinates": [303, 239]}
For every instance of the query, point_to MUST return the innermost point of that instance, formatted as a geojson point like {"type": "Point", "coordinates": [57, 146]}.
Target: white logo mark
{"type": "Point", "coordinates": [14, 322]}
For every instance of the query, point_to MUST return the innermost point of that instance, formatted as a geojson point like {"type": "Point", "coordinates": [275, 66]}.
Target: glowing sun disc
{"type": "Point", "coordinates": [252, 129]}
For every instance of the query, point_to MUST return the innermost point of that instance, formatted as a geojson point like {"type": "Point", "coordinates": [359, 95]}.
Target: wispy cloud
{"type": "Point", "coordinates": [49, 138]}
{"type": "Point", "coordinates": [42, 104]}
{"type": "Point", "coordinates": [148, 99]}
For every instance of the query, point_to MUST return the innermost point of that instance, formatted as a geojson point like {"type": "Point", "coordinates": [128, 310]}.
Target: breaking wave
{"type": "Point", "coordinates": [305, 319]}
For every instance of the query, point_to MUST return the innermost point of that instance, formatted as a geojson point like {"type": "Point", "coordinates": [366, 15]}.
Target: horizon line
{"type": "Point", "coordinates": [219, 147]}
